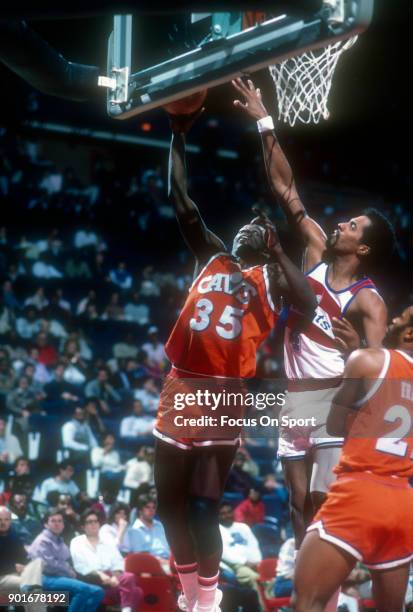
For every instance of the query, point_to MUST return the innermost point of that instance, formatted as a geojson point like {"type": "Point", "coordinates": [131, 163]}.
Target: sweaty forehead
{"type": "Point", "coordinates": [252, 228]}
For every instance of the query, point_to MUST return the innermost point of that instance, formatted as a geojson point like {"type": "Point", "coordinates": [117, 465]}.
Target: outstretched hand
{"type": "Point", "coordinates": [252, 102]}
{"type": "Point", "coordinates": [181, 124]}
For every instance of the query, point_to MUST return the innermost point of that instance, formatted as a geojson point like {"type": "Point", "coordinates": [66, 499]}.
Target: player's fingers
{"type": "Point", "coordinates": [236, 85]}
{"type": "Point", "coordinates": [341, 345]}
{"type": "Point", "coordinates": [339, 324]}
{"type": "Point", "coordinates": [240, 104]}
{"type": "Point", "coordinates": [258, 91]}
{"type": "Point", "coordinates": [251, 85]}
{"type": "Point", "coordinates": [241, 85]}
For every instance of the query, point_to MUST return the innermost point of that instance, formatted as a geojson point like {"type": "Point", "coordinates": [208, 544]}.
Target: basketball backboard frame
{"type": "Point", "coordinates": [221, 59]}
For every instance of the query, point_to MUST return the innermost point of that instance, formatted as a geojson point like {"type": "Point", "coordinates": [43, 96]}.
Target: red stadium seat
{"type": "Point", "coordinates": [367, 604]}
{"type": "Point", "coordinates": [158, 592]}
{"type": "Point", "coordinates": [266, 571]}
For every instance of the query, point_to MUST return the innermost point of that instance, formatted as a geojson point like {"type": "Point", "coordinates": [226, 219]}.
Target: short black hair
{"type": "Point", "coordinates": [63, 465]}
{"type": "Point", "coordinates": [116, 507]}
{"type": "Point", "coordinates": [52, 512]}
{"type": "Point", "coordinates": [89, 512]}
{"type": "Point", "coordinates": [381, 239]}
{"type": "Point", "coordinates": [144, 500]}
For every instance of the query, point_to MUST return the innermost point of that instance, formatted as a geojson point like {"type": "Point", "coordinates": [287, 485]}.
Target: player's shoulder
{"type": "Point", "coordinates": [367, 296]}
{"type": "Point", "coordinates": [365, 363]}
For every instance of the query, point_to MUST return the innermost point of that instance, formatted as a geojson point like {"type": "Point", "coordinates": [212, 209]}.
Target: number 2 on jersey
{"type": "Point", "coordinates": [229, 327]}
{"type": "Point", "coordinates": [395, 445]}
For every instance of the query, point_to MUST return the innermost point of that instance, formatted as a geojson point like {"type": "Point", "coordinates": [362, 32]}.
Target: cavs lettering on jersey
{"type": "Point", "coordinates": [309, 348]}
{"type": "Point", "coordinates": [380, 435]}
{"type": "Point", "coordinates": [226, 316]}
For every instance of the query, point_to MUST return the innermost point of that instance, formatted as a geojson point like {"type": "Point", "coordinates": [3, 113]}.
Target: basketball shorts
{"type": "Point", "coordinates": [191, 408]}
{"type": "Point", "coordinates": [303, 423]}
{"type": "Point", "coordinates": [370, 517]}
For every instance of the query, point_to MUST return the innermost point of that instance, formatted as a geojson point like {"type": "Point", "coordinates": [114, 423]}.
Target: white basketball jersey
{"type": "Point", "coordinates": [309, 347]}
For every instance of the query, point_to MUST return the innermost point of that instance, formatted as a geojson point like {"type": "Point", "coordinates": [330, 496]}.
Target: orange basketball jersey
{"type": "Point", "coordinates": [380, 434]}
{"type": "Point", "coordinates": [226, 316]}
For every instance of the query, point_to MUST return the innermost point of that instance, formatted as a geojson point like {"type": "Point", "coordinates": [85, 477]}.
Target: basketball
{"type": "Point", "coordinates": [188, 105]}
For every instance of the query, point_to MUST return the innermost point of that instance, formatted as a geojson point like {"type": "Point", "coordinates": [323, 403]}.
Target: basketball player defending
{"type": "Point", "coordinates": [230, 309]}
{"type": "Point", "coordinates": [314, 361]}
{"type": "Point", "coordinates": [368, 512]}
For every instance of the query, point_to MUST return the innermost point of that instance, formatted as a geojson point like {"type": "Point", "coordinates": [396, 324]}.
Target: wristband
{"type": "Point", "coordinates": [266, 124]}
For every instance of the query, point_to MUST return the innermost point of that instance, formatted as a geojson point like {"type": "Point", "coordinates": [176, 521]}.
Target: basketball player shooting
{"type": "Point", "coordinates": [337, 268]}
{"type": "Point", "coordinates": [368, 513]}
{"type": "Point", "coordinates": [231, 308]}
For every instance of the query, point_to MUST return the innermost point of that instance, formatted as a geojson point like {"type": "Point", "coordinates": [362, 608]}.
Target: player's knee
{"type": "Point", "coordinates": [303, 602]}
{"type": "Point", "coordinates": [203, 519]}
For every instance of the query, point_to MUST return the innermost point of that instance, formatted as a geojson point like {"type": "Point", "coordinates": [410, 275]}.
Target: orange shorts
{"type": "Point", "coordinates": [370, 517]}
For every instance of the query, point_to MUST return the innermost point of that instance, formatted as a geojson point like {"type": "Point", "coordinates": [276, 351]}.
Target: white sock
{"type": "Point", "coordinates": [188, 575]}
{"type": "Point", "coordinates": [207, 588]}
{"type": "Point", "coordinates": [127, 609]}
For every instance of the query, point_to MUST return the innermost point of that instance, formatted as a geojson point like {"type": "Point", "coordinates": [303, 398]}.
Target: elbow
{"type": "Point", "coordinates": [334, 429]}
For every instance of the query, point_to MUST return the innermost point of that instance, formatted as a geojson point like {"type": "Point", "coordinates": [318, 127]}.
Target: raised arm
{"type": "Point", "coordinates": [280, 176]}
{"type": "Point", "coordinates": [202, 242]}
{"type": "Point", "coordinates": [370, 309]}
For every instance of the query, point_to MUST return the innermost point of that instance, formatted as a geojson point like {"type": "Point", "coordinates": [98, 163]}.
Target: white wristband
{"type": "Point", "coordinates": [266, 124]}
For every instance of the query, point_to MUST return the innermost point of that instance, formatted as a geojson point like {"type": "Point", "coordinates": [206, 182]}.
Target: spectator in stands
{"type": "Point", "coordinates": [38, 300]}
{"type": "Point", "coordinates": [239, 481]}
{"type": "Point", "coordinates": [58, 390]}
{"type": "Point", "coordinates": [147, 533]}
{"type": "Point", "coordinates": [138, 469]}
{"type": "Point", "coordinates": [240, 550]}
{"type": "Point", "coordinates": [24, 524]}
{"type": "Point", "coordinates": [120, 277]}
{"type": "Point", "coordinates": [78, 437]}
{"type": "Point", "coordinates": [149, 285]}
{"type": "Point", "coordinates": [107, 459]}
{"type": "Point", "coordinates": [114, 310]}
{"type": "Point", "coordinates": [7, 377]}
{"type": "Point", "coordinates": [283, 585]}
{"type": "Point", "coordinates": [136, 311]}
{"type": "Point", "coordinates": [101, 389]}
{"type": "Point", "coordinates": [148, 395]}
{"type": "Point", "coordinates": [99, 561]}
{"type": "Point", "coordinates": [124, 376]}
{"type": "Point", "coordinates": [126, 348]}
{"type": "Point", "coordinates": [10, 448]}
{"type": "Point", "coordinates": [22, 402]}
{"type": "Point", "coordinates": [155, 349]}
{"type": "Point", "coordinates": [252, 510]}
{"type": "Point", "coordinates": [64, 503]}
{"type": "Point", "coordinates": [77, 268]}
{"type": "Point", "coordinates": [248, 465]}
{"type": "Point", "coordinates": [47, 352]}
{"type": "Point", "coordinates": [15, 571]}
{"type": "Point", "coordinates": [9, 297]}
{"type": "Point", "coordinates": [58, 573]}
{"type": "Point", "coordinates": [85, 302]}
{"type": "Point", "coordinates": [29, 324]}
{"type": "Point", "coordinates": [116, 528]}
{"type": "Point", "coordinates": [138, 424]}
{"type": "Point", "coordinates": [61, 482]}
{"type": "Point", "coordinates": [86, 238]}
{"type": "Point", "coordinates": [93, 418]}
{"type": "Point", "coordinates": [21, 480]}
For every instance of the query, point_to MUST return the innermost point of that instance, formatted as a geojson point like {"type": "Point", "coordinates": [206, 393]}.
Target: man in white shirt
{"type": "Point", "coordinates": [78, 437]}
{"type": "Point", "coordinates": [62, 483]}
{"type": "Point", "coordinates": [240, 548]}
{"type": "Point", "coordinates": [155, 349]}
{"type": "Point", "coordinates": [99, 561]}
{"type": "Point", "coordinates": [148, 396]}
{"type": "Point", "coordinates": [138, 424]}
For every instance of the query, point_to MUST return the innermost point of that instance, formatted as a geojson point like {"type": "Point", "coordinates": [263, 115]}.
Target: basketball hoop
{"type": "Point", "coordinates": [303, 83]}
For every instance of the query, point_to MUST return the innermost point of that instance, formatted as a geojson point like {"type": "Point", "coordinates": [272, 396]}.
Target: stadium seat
{"type": "Point", "coordinates": [157, 586]}
{"type": "Point", "coordinates": [266, 571]}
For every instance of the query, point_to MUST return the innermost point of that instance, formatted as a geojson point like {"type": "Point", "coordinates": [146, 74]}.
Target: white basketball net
{"type": "Point", "coordinates": [303, 83]}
